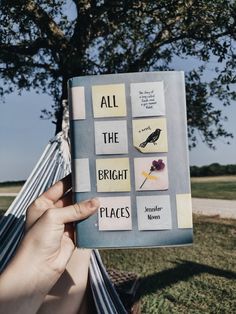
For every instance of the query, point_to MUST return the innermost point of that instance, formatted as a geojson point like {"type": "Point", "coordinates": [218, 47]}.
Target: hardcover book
{"type": "Point", "coordinates": [129, 149]}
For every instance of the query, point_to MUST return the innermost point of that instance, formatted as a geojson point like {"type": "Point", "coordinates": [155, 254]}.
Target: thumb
{"type": "Point", "coordinates": [77, 211]}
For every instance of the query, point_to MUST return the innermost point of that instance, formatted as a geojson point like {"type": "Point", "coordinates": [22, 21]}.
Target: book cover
{"type": "Point", "coordinates": [129, 149]}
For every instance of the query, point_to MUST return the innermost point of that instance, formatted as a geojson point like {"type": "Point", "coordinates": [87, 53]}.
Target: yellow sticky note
{"type": "Point", "coordinates": [150, 135]}
{"type": "Point", "coordinates": [113, 175]}
{"type": "Point", "coordinates": [109, 100]}
{"type": "Point", "coordinates": [184, 210]}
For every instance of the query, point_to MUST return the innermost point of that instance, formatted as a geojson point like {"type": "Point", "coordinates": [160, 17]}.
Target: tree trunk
{"type": "Point", "coordinates": [59, 110]}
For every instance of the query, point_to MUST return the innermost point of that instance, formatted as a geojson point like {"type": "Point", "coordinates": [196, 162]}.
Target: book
{"type": "Point", "coordinates": [129, 149]}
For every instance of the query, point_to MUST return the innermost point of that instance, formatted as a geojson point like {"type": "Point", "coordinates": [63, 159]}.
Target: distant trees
{"type": "Point", "coordinates": [214, 169]}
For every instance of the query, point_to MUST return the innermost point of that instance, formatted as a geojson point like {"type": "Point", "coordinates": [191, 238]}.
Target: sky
{"type": "Point", "coordinates": [23, 137]}
{"type": "Point", "coordinates": [224, 154]}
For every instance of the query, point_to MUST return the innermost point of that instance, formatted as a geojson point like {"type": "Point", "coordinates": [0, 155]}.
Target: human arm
{"type": "Point", "coordinates": [44, 251]}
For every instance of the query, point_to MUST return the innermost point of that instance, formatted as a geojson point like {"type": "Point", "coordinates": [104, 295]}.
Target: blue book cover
{"type": "Point", "coordinates": [129, 149]}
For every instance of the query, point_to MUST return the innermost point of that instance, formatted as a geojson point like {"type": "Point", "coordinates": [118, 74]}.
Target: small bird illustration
{"type": "Point", "coordinates": [152, 138]}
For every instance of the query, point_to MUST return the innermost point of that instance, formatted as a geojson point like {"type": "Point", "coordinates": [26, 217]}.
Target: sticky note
{"type": "Point", "coordinates": [184, 210]}
{"type": "Point", "coordinates": [151, 173]}
{"type": "Point", "coordinates": [147, 99]}
{"type": "Point", "coordinates": [78, 101]}
{"type": "Point", "coordinates": [111, 137]}
{"type": "Point", "coordinates": [150, 135]}
{"type": "Point", "coordinates": [109, 100]}
{"type": "Point", "coordinates": [113, 175]}
{"type": "Point", "coordinates": [154, 212]}
{"type": "Point", "coordinates": [82, 175]}
{"type": "Point", "coordinates": [114, 213]}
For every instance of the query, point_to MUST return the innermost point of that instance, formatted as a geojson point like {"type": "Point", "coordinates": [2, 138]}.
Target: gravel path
{"type": "Point", "coordinates": [8, 194]}
{"type": "Point", "coordinates": [201, 206]}
{"type": "Point", "coordinates": [212, 207]}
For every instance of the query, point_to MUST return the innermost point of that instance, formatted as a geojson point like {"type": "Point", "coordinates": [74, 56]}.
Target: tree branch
{"type": "Point", "coordinates": [46, 24]}
{"type": "Point", "coordinates": [161, 39]}
{"type": "Point", "coordinates": [37, 65]}
{"type": "Point", "coordinates": [165, 37]}
{"type": "Point", "coordinates": [26, 48]}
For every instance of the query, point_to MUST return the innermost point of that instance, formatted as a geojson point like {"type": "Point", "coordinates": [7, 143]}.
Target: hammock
{"type": "Point", "coordinates": [53, 165]}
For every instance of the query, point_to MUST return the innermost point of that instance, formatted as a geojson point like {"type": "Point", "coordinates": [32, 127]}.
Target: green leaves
{"type": "Point", "coordinates": [43, 44]}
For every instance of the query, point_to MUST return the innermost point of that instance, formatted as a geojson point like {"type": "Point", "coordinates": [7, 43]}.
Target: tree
{"type": "Point", "coordinates": [42, 45]}
{"type": "Point", "coordinates": [214, 169]}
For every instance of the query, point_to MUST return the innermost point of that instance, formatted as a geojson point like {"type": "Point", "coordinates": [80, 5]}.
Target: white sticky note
{"type": "Point", "coordinates": [147, 99]}
{"type": "Point", "coordinates": [78, 103]}
{"type": "Point", "coordinates": [82, 175]}
{"type": "Point", "coordinates": [147, 177]}
{"type": "Point", "coordinates": [154, 212]}
{"type": "Point", "coordinates": [184, 210]}
{"type": "Point", "coordinates": [150, 135]}
{"type": "Point", "coordinates": [111, 137]}
{"type": "Point", "coordinates": [114, 213]}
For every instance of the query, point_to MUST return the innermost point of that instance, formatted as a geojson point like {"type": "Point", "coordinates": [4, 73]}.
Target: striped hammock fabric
{"type": "Point", "coordinates": [53, 165]}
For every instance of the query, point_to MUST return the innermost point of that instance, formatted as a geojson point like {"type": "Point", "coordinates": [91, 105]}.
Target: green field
{"type": "Point", "coordinates": [214, 187]}
{"type": "Point", "coordinates": [196, 279]}
{"type": "Point", "coordinates": [221, 187]}
{"type": "Point", "coordinates": [8, 187]}
{"type": "Point", "coordinates": [12, 187]}
{"type": "Point", "coordinates": [5, 202]}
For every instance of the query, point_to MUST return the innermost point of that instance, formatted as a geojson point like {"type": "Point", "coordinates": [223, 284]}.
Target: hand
{"type": "Point", "coordinates": [49, 236]}
{"type": "Point", "coordinates": [48, 243]}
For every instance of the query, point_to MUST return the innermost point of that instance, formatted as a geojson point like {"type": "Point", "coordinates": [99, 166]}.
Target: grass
{"type": "Point", "coordinates": [214, 187]}
{"type": "Point", "coordinates": [10, 188]}
{"type": "Point", "coordinates": [214, 179]}
{"type": "Point", "coordinates": [5, 202]}
{"type": "Point", "coordinates": [196, 279]}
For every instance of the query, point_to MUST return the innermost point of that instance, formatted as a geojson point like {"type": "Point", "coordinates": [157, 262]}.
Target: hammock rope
{"type": "Point", "coordinates": [53, 165]}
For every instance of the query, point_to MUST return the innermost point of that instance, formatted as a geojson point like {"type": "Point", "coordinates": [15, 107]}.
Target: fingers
{"type": "Point", "coordinates": [54, 197]}
{"type": "Point", "coordinates": [58, 189]}
{"type": "Point", "coordinates": [78, 211]}
{"type": "Point", "coordinates": [66, 200]}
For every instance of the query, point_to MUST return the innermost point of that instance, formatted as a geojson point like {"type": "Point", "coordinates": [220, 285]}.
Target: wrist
{"type": "Point", "coordinates": [19, 291]}
{"type": "Point", "coordinates": [23, 284]}
{"type": "Point", "coordinates": [34, 266]}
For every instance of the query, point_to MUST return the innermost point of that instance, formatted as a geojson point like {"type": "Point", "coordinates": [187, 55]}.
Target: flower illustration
{"type": "Point", "coordinates": [157, 165]}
